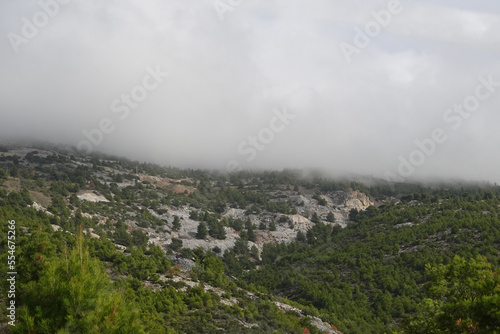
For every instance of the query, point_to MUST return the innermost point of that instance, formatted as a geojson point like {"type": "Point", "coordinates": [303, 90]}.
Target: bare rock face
{"type": "Point", "coordinates": [358, 200]}
{"type": "Point", "coordinates": [338, 198]}
{"type": "Point", "coordinates": [185, 264]}
{"type": "Point", "coordinates": [352, 199]}
{"type": "Point", "coordinates": [91, 197]}
{"type": "Point", "coordinates": [322, 326]}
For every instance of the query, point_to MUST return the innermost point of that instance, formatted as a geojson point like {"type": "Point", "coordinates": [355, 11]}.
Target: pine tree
{"type": "Point", "coordinates": [202, 231]}
{"type": "Point", "coordinates": [221, 235]}
{"type": "Point", "coordinates": [272, 226]}
{"type": "Point", "coordinates": [216, 230]}
{"type": "Point", "coordinates": [315, 219]}
{"type": "Point", "coordinates": [241, 246]}
{"type": "Point", "coordinates": [74, 295]}
{"type": "Point", "coordinates": [463, 297]}
{"type": "Point", "coordinates": [251, 234]}
{"type": "Point", "coordinates": [176, 225]}
{"type": "Point", "coordinates": [193, 215]}
{"type": "Point", "coordinates": [254, 252]}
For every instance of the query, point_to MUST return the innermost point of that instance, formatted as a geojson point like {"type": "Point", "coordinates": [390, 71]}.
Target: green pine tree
{"type": "Point", "coordinates": [176, 225]}
{"type": "Point", "coordinates": [74, 295]}
{"type": "Point", "coordinates": [463, 297]}
{"type": "Point", "coordinates": [201, 231]}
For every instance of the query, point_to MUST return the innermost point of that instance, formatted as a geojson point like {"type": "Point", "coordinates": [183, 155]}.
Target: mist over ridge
{"type": "Point", "coordinates": [258, 85]}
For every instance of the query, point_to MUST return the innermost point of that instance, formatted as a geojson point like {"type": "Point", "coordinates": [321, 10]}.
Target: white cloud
{"type": "Point", "coordinates": [228, 76]}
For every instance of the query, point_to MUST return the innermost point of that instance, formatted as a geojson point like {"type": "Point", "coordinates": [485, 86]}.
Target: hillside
{"type": "Point", "coordinates": [190, 251]}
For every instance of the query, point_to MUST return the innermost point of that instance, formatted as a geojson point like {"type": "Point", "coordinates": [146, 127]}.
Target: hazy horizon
{"type": "Point", "coordinates": [403, 89]}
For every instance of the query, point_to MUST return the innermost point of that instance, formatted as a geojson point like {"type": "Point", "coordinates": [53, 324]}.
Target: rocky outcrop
{"type": "Point", "coordinates": [358, 200]}
{"type": "Point", "coordinates": [348, 200]}
{"type": "Point", "coordinates": [320, 324]}
{"type": "Point", "coordinates": [338, 202]}
{"type": "Point", "coordinates": [91, 197]}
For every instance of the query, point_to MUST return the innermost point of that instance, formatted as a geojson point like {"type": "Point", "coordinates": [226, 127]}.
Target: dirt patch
{"type": "Point", "coordinates": [159, 182]}
{"type": "Point", "coordinates": [167, 184]}
{"type": "Point", "coordinates": [180, 189]}
{"type": "Point", "coordinates": [40, 198]}
{"type": "Point", "coordinates": [13, 184]}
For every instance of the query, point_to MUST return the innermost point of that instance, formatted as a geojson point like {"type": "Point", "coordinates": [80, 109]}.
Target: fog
{"type": "Point", "coordinates": [392, 89]}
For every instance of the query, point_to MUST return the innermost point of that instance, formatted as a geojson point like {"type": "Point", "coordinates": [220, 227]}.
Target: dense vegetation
{"type": "Point", "coordinates": [424, 260]}
{"type": "Point", "coordinates": [367, 277]}
{"type": "Point", "coordinates": [62, 287]}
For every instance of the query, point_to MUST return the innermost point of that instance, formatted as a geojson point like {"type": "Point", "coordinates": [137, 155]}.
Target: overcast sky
{"type": "Point", "coordinates": [348, 103]}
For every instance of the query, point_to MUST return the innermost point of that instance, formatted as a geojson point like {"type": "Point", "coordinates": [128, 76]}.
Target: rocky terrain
{"type": "Point", "coordinates": [340, 203]}
{"type": "Point", "coordinates": [252, 252]}
{"type": "Point", "coordinates": [113, 196]}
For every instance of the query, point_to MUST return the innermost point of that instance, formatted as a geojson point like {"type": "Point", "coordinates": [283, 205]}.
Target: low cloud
{"type": "Point", "coordinates": [228, 77]}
